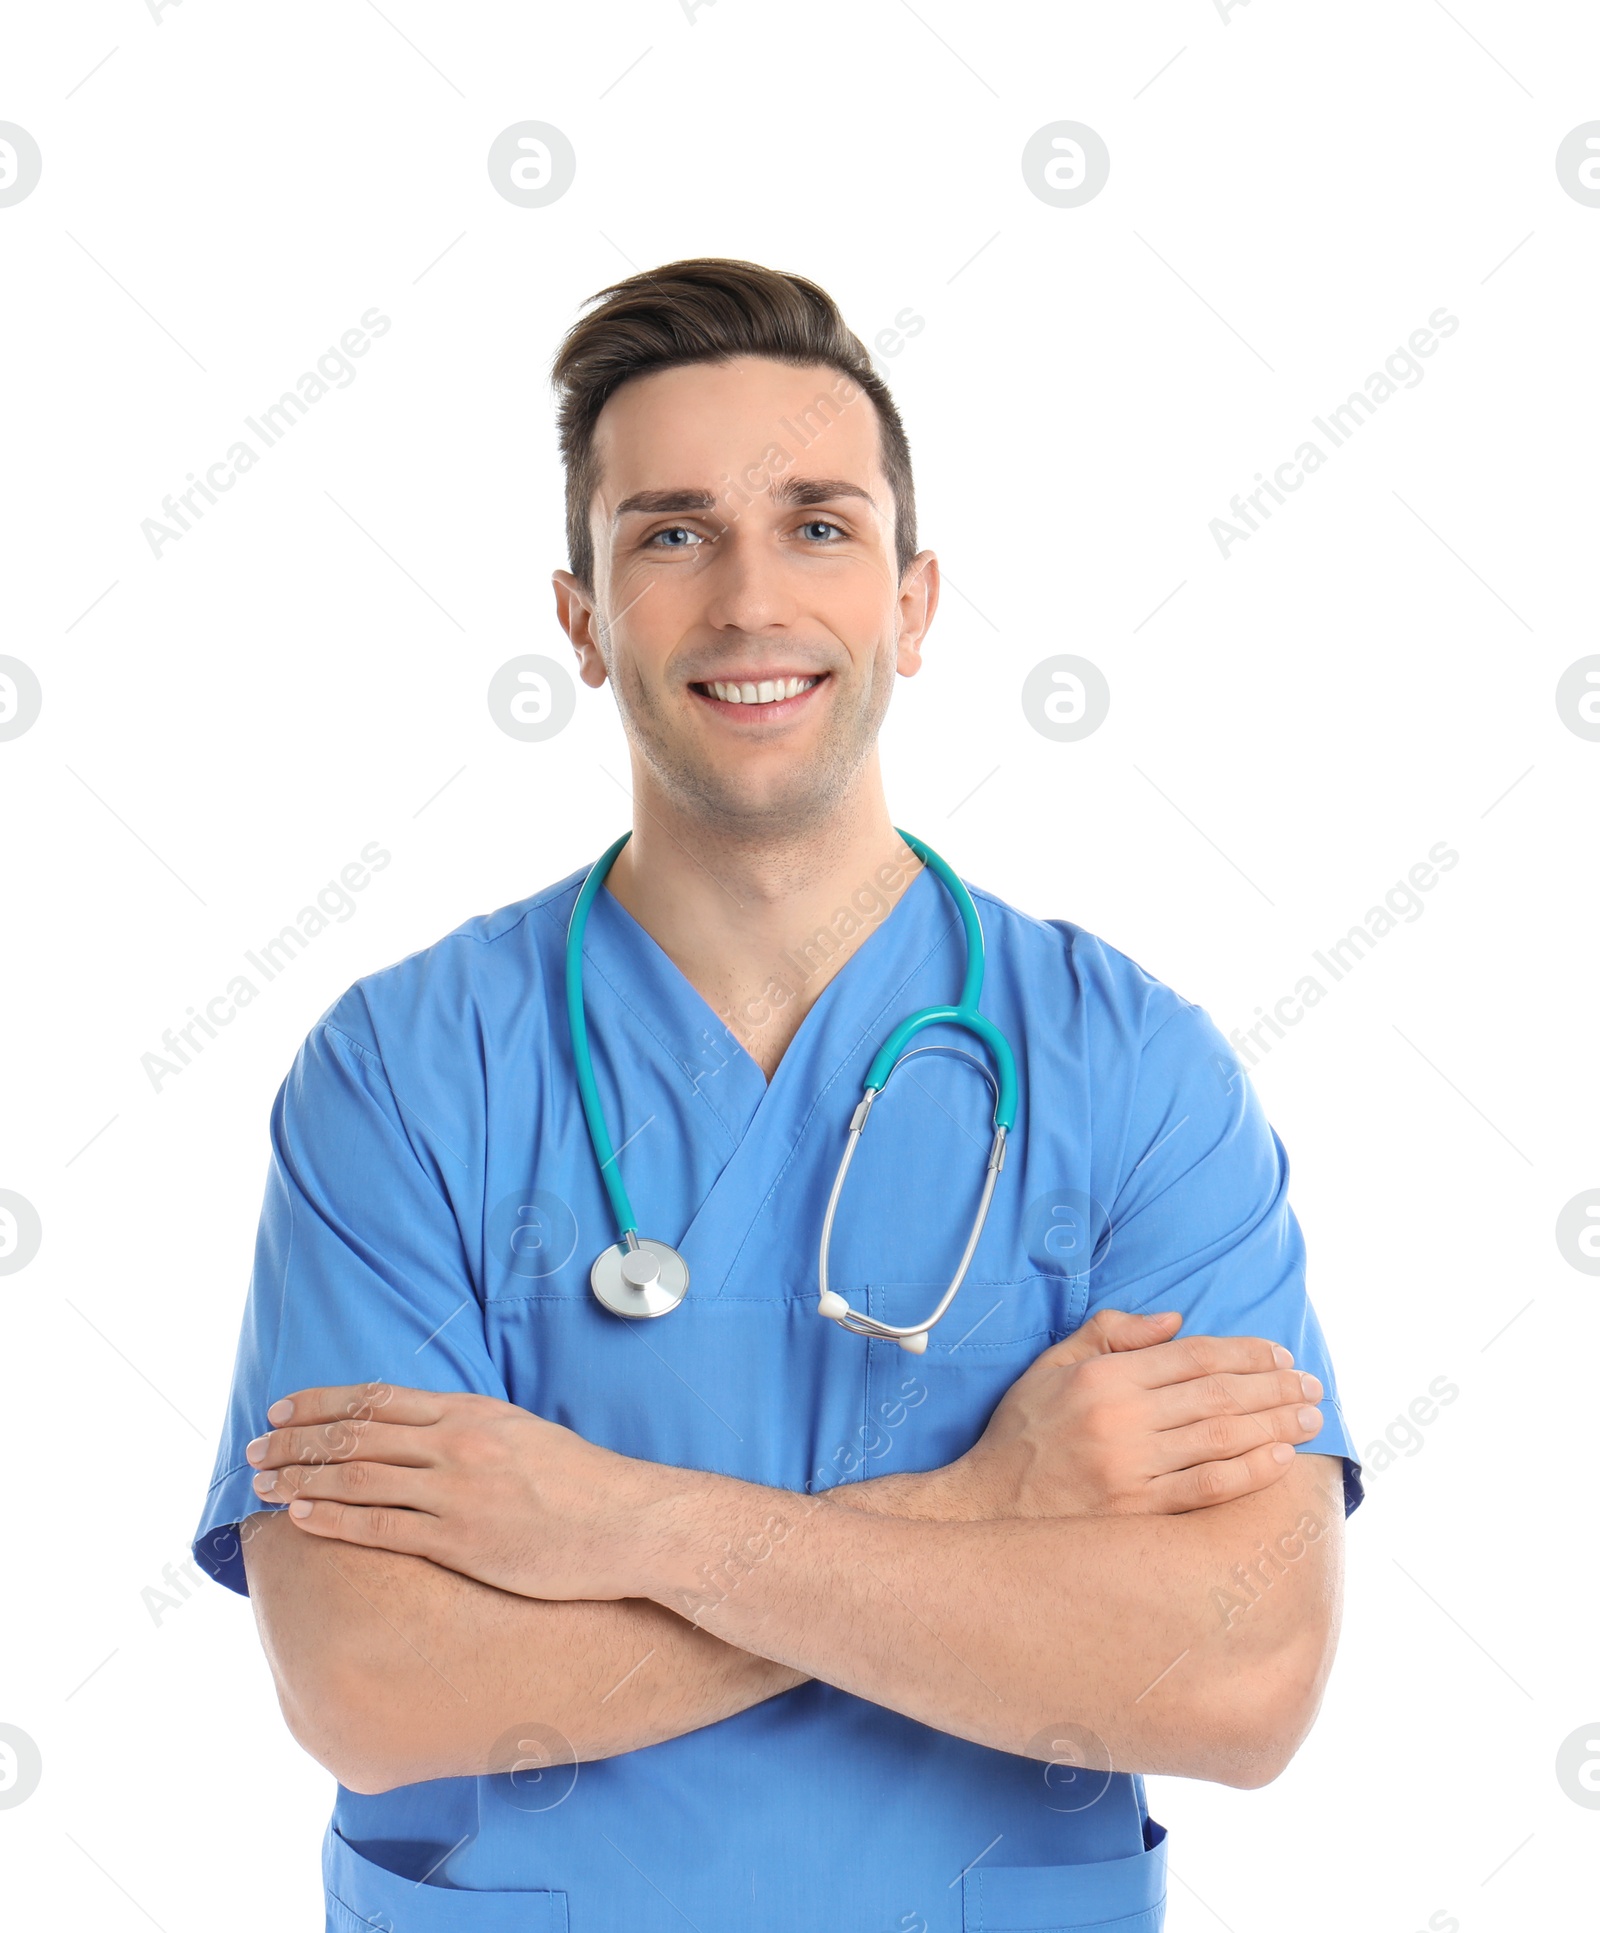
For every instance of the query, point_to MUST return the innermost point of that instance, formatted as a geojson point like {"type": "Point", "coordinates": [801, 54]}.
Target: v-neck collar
{"type": "Point", "coordinates": [763, 1121]}
{"type": "Point", "coordinates": [613, 926]}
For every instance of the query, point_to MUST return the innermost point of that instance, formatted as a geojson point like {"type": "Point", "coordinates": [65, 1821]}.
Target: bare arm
{"type": "Point", "coordinates": [1189, 1640]}
{"type": "Point", "coordinates": [1143, 1630]}
{"type": "Point", "coordinates": [391, 1668]}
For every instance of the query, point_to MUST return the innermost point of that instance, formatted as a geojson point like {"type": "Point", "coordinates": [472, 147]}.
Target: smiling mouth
{"type": "Point", "coordinates": [764, 698]}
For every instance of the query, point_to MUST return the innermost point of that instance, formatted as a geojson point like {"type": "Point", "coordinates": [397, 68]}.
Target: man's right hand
{"type": "Point", "coordinates": [1120, 1419]}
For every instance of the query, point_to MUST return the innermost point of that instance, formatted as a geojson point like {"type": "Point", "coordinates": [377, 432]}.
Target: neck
{"type": "Point", "coordinates": [757, 922]}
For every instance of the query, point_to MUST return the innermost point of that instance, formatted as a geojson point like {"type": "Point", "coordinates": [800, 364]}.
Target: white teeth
{"type": "Point", "coordinates": [769, 691]}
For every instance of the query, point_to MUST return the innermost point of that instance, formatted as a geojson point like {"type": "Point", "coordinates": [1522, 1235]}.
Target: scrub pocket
{"type": "Point", "coordinates": [367, 1898]}
{"type": "Point", "coordinates": [1110, 1896]}
{"type": "Point", "coordinates": [987, 1338]}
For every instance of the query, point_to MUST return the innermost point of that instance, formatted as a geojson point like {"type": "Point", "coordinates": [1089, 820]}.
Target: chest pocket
{"type": "Point", "coordinates": [924, 1411]}
{"type": "Point", "coordinates": [914, 1186]}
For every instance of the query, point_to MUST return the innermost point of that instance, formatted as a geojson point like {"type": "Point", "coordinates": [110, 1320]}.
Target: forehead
{"type": "Point", "coordinates": [698, 425]}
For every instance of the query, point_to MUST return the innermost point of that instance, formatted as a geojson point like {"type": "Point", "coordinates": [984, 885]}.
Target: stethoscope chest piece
{"type": "Point", "coordinates": [644, 1278]}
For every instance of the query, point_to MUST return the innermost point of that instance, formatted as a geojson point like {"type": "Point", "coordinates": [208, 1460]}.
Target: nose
{"type": "Point", "coordinates": [747, 586]}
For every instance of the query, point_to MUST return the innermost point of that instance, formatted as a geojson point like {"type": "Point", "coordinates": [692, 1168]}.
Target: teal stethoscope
{"type": "Point", "coordinates": [640, 1277]}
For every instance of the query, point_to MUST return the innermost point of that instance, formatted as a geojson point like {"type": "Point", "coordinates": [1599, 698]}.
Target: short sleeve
{"type": "Point", "coordinates": [360, 1274]}
{"type": "Point", "coordinates": [1199, 1219]}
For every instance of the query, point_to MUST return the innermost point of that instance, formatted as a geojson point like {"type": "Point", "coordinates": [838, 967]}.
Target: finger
{"type": "Point", "coordinates": [341, 1443]}
{"type": "Point", "coordinates": [364, 1483]}
{"type": "Point", "coordinates": [1136, 1330]}
{"type": "Point", "coordinates": [1193, 1402]}
{"type": "Point", "coordinates": [1108, 1330]}
{"type": "Point", "coordinates": [409, 1531]}
{"type": "Point", "coordinates": [1221, 1437]}
{"type": "Point", "coordinates": [1187, 1357]}
{"type": "Point", "coordinates": [356, 1402]}
{"type": "Point", "coordinates": [1221, 1482]}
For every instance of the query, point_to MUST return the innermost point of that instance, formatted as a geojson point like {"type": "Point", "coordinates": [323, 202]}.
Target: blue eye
{"type": "Point", "coordinates": [821, 523]}
{"type": "Point", "coordinates": [674, 531]}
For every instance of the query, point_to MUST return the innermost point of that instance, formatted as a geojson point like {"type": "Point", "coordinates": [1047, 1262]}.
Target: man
{"type": "Point", "coordinates": [733, 1618]}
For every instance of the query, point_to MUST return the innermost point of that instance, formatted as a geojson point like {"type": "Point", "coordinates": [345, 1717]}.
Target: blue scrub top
{"type": "Point", "coordinates": [432, 1210]}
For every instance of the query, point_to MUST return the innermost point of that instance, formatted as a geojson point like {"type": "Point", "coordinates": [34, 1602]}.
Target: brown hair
{"type": "Point", "coordinates": [708, 310]}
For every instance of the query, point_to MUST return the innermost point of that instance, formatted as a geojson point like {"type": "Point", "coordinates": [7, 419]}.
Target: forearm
{"type": "Point", "coordinates": [1088, 1512]}
{"type": "Point", "coordinates": [391, 1669]}
{"type": "Point", "coordinates": [925, 1496]}
{"type": "Point", "coordinates": [997, 1631]}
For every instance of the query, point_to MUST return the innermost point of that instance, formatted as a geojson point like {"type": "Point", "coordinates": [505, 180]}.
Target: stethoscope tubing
{"type": "Point", "coordinates": [588, 1094]}
{"type": "Point", "coordinates": [964, 1014]}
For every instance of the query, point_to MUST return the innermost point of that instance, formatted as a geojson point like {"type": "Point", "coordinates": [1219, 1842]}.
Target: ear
{"type": "Point", "coordinates": [576, 613]}
{"type": "Point", "coordinates": [919, 599]}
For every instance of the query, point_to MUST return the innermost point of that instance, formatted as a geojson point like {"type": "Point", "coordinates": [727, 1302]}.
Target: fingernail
{"type": "Point", "coordinates": [254, 1452]}
{"type": "Point", "coordinates": [280, 1411]}
{"type": "Point", "coordinates": [263, 1481]}
{"type": "Point", "coordinates": [1281, 1453]}
{"type": "Point", "coordinates": [300, 1508]}
{"type": "Point", "coordinates": [1311, 1419]}
{"type": "Point", "coordinates": [1310, 1386]}
{"type": "Point", "coordinates": [1281, 1356]}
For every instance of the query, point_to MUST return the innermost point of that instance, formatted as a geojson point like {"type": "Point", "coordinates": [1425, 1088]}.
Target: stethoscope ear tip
{"type": "Point", "coordinates": [832, 1305]}
{"type": "Point", "coordinates": [914, 1345]}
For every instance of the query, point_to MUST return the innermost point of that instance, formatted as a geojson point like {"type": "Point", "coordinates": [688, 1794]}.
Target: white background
{"type": "Point", "coordinates": [223, 729]}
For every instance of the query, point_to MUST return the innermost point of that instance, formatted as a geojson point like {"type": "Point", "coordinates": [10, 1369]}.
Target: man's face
{"type": "Point", "coordinates": [747, 607]}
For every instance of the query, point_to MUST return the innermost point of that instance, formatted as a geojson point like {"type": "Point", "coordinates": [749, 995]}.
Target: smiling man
{"type": "Point", "coordinates": [618, 1586]}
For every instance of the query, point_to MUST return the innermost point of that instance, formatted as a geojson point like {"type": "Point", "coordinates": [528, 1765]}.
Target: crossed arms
{"type": "Point", "coordinates": [1132, 1550]}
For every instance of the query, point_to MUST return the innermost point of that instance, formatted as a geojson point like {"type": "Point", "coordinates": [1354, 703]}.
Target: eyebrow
{"type": "Point", "coordinates": [791, 491]}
